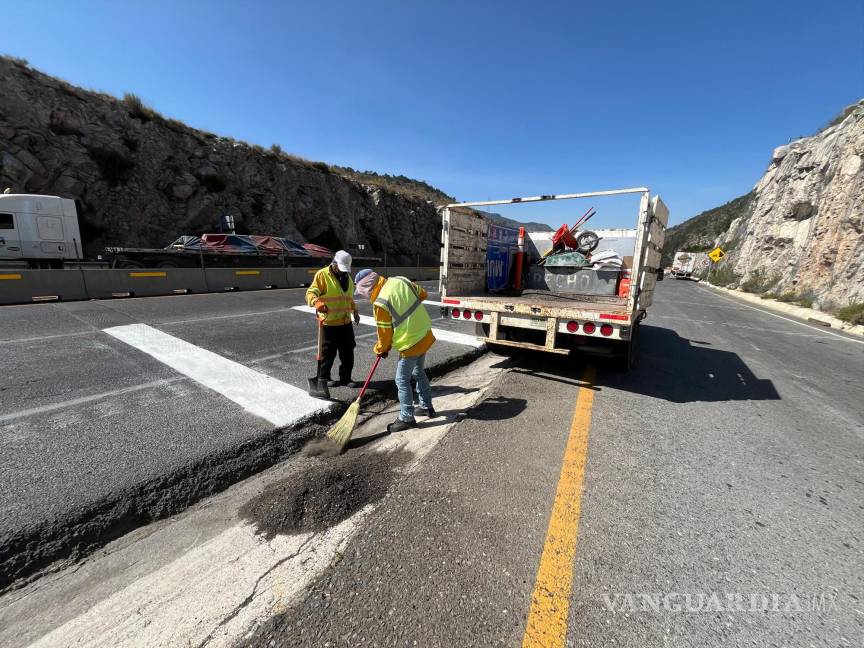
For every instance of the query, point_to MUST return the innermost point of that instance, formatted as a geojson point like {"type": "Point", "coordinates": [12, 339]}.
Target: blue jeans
{"type": "Point", "coordinates": [407, 368]}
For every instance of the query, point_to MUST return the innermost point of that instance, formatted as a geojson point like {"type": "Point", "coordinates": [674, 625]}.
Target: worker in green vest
{"type": "Point", "coordinates": [403, 324]}
{"type": "Point", "coordinates": [331, 295]}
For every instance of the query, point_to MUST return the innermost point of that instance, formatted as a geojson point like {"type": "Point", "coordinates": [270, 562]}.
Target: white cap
{"type": "Point", "coordinates": [343, 261]}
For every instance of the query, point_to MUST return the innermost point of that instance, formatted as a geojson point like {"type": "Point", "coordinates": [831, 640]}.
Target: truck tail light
{"type": "Point", "coordinates": [589, 328]}
{"type": "Point", "coordinates": [455, 313]}
{"type": "Point", "coordinates": [466, 314]}
{"type": "Point", "coordinates": [478, 315]}
{"type": "Point", "coordinates": [606, 329]}
{"type": "Point", "coordinates": [572, 327]}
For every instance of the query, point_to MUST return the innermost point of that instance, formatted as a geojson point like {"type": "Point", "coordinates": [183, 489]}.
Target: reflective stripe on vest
{"type": "Point", "coordinates": [410, 322]}
{"type": "Point", "coordinates": [338, 301]}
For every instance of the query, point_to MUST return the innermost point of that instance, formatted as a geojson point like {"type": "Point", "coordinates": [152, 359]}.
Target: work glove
{"type": "Point", "coordinates": [321, 307]}
{"type": "Point", "coordinates": [356, 317]}
{"type": "Point", "coordinates": [383, 354]}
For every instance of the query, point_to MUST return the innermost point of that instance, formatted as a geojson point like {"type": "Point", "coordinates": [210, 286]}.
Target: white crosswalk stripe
{"type": "Point", "coordinates": [262, 395]}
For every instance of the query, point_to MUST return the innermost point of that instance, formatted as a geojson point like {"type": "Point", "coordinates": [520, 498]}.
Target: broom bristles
{"type": "Point", "coordinates": [342, 430]}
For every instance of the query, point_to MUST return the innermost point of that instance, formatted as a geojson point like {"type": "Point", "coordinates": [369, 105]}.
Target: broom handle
{"type": "Point", "coordinates": [369, 377]}
{"type": "Point", "coordinates": [320, 340]}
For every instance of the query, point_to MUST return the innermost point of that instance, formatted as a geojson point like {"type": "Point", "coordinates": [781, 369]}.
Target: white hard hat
{"type": "Point", "coordinates": [343, 261]}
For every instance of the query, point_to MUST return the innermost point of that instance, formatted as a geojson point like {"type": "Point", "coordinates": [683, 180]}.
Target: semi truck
{"type": "Point", "coordinates": [687, 265]}
{"type": "Point", "coordinates": [42, 232]}
{"type": "Point", "coordinates": [556, 309]}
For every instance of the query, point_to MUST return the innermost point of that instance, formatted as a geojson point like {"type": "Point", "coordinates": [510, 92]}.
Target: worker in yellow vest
{"type": "Point", "coordinates": [331, 295]}
{"type": "Point", "coordinates": [403, 324]}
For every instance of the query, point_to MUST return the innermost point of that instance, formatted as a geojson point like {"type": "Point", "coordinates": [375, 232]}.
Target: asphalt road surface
{"type": "Point", "coordinates": [722, 502]}
{"type": "Point", "coordinates": [713, 496]}
{"type": "Point", "coordinates": [107, 423]}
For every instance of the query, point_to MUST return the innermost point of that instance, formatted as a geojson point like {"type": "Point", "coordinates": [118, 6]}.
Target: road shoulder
{"type": "Point", "coordinates": [808, 316]}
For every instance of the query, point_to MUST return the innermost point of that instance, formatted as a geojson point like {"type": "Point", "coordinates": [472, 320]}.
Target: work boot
{"type": "Point", "coordinates": [399, 425]}
{"type": "Point", "coordinates": [425, 411]}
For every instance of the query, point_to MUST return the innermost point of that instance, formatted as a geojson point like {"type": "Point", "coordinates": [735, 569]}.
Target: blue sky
{"type": "Point", "coordinates": [482, 99]}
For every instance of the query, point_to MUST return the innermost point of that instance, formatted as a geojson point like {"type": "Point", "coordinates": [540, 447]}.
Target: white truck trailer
{"type": "Point", "coordinates": [687, 265]}
{"type": "Point", "coordinates": [553, 320]}
{"type": "Point", "coordinates": [40, 230]}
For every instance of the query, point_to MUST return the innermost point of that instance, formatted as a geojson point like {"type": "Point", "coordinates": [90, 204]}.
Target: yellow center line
{"type": "Point", "coordinates": [550, 603]}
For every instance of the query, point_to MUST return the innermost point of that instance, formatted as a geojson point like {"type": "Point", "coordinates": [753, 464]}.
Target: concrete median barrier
{"type": "Point", "coordinates": [105, 284]}
{"type": "Point", "coordinates": [28, 286]}
{"type": "Point", "coordinates": [221, 279]}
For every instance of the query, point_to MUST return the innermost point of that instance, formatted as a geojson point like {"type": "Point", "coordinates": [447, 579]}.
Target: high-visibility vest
{"type": "Point", "coordinates": [338, 301]}
{"type": "Point", "coordinates": [411, 322]}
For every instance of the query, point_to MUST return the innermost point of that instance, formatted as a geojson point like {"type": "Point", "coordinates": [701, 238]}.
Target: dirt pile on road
{"type": "Point", "coordinates": [323, 492]}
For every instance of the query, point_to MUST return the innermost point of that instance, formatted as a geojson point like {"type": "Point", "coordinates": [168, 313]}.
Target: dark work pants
{"type": "Point", "coordinates": [338, 339]}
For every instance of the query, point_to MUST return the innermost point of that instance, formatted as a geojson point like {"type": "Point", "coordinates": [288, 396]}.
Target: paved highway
{"type": "Point", "coordinates": [722, 502]}
{"type": "Point", "coordinates": [712, 496]}
{"type": "Point", "coordinates": [106, 421]}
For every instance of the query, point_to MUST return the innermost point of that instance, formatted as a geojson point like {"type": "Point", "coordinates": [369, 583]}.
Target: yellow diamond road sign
{"type": "Point", "coordinates": [716, 254]}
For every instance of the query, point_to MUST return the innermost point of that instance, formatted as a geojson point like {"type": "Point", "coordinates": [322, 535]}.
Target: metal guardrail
{"type": "Point", "coordinates": [29, 286]}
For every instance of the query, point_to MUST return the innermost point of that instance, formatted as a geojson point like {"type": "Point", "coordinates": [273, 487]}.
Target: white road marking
{"type": "Point", "coordinates": [765, 312]}
{"type": "Point", "coordinates": [761, 329]}
{"type": "Point", "coordinates": [264, 396]}
{"type": "Point", "coordinates": [192, 320]}
{"type": "Point", "coordinates": [40, 338]}
{"type": "Point", "coordinates": [202, 595]}
{"type": "Point", "coordinates": [456, 338]}
{"type": "Point", "coordinates": [440, 334]}
{"type": "Point", "coordinates": [72, 402]}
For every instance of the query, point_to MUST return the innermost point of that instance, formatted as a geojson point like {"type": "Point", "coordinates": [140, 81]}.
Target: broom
{"type": "Point", "coordinates": [341, 432]}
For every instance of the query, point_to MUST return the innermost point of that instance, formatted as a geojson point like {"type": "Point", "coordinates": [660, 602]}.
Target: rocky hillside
{"type": "Point", "coordinates": [142, 180]}
{"type": "Point", "coordinates": [800, 233]}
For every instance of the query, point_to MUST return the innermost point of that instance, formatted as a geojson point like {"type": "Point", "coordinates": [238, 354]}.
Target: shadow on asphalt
{"type": "Point", "coordinates": [498, 408]}
{"type": "Point", "coordinates": [671, 368]}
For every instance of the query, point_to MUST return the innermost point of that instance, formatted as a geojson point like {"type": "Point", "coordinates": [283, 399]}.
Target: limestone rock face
{"type": "Point", "coordinates": [142, 180]}
{"type": "Point", "coordinates": [805, 222]}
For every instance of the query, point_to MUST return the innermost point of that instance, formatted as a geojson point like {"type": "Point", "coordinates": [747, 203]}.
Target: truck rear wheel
{"type": "Point", "coordinates": [126, 263]}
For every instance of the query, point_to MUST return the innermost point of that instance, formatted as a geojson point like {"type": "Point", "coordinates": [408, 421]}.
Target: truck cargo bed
{"type": "Point", "coordinates": [547, 299]}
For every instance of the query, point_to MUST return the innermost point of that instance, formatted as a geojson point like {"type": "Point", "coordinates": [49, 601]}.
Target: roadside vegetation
{"type": "Point", "coordinates": [759, 282]}
{"type": "Point", "coordinates": [805, 298]}
{"type": "Point", "coordinates": [853, 313]}
{"type": "Point", "coordinates": [722, 276]}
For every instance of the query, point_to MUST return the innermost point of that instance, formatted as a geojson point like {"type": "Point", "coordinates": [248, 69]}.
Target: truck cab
{"type": "Point", "coordinates": [38, 231]}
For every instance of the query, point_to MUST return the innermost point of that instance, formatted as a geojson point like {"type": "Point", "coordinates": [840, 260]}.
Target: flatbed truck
{"type": "Point", "coordinates": [550, 320]}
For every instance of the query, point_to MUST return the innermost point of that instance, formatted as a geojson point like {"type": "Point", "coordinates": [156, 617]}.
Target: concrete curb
{"type": "Point", "coordinates": [805, 314]}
